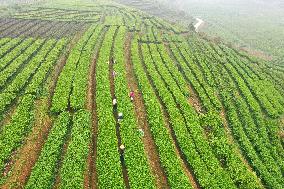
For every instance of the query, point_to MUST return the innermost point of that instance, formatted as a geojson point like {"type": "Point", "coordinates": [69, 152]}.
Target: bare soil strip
{"type": "Point", "coordinates": [194, 100]}
{"type": "Point", "coordinates": [9, 165]}
{"type": "Point", "coordinates": [90, 177]}
{"type": "Point", "coordinates": [185, 165]}
{"type": "Point", "coordinates": [149, 143]}
{"type": "Point", "coordinates": [30, 151]}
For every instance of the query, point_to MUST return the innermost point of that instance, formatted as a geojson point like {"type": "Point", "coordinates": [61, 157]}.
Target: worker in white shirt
{"type": "Point", "coordinates": [114, 103]}
{"type": "Point", "coordinates": [120, 117]}
{"type": "Point", "coordinates": [121, 151]}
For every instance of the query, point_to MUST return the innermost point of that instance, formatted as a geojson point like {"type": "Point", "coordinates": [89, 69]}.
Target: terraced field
{"type": "Point", "coordinates": [204, 115]}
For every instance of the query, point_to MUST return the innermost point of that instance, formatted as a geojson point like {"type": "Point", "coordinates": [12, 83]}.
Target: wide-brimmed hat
{"type": "Point", "coordinates": [122, 147]}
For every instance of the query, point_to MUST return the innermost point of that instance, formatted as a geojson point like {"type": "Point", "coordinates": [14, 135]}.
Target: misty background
{"type": "Point", "coordinates": [251, 24]}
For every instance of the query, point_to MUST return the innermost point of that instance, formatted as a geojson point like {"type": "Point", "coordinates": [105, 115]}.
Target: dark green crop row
{"type": "Point", "coordinates": [168, 156]}
{"type": "Point", "coordinates": [10, 93]}
{"type": "Point", "coordinates": [255, 110]}
{"type": "Point", "coordinates": [108, 163]}
{"type": "Point", "coordinates": [3, 41]}
{"type": "Point", "coordinates": [30, 68]}
{"type": "Point", "coordinates": [184, 49]}
{"type": "Point", "coordinates": [63, 88]}
{"type": "Point", "coordinates": [19, 60]}
{"type": "Point", "coordinates": [75, 160]}
{"type": "Point", "coordinates": [263, 90]}
{"type": "Point", "coordinates": [15, 52]}
{"type": "Point", "coordinates": [13, 134]}
{"type": "Point", "coordinates": [43, 172]}
{"type": "Point", "coordinates": [221, 146]}
{"type": "Point", "coordinates": [79, 92]}
{"type": "Point", "coordinates": [185, 124]}
{"type": "Point", "coordinates": [135, 158]}
{"type": "Point", "coordinates": [9, 46]}
{"type": "Point", "coordinates": [237, 116]}
{"type": "Point", "coordinates": [222, 149]}
{"type": "Point", "coordinates": [45, 68]}
{"type": "Point", "coordinates": [189, 75]}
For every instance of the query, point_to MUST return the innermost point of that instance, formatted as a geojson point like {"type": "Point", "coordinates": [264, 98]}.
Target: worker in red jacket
{"type": "Point", "coordinates": [131, 95]}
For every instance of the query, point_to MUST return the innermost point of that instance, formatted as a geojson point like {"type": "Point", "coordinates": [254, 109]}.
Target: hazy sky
{"type": "Point", "coordinates": [256, 23]}
{"type": "Point", "coordinates": [233, 4]}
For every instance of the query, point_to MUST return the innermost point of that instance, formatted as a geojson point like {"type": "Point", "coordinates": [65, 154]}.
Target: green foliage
{"type": "Point", "coordinates": [156, 120]}
{"type": "Point", "coordinates": [108, 163]}
{"type": "Point", "coordinates": [6, 99]}
{"type": "Point", "coordinates": [211, 110]}
{"type": "Point", "coordinates": [75, 160]}
{"type": "Point", "coordinates": [5, 47]}
{"type": "Point", "coordinates": [13, 134]}
{"type": "Point", "coordinates": [185, 125]}
{"type": "Point", "coordinates": [17, 61]}
{"type": "Point", "coordinates": [64, 84]}
{"type": "Point", "coordinates": [79, 93]}
{"type": "Point", "coordinates": [43, 173]}
{"type": "Point", "coordinates": [31, 67]}
{"type": "Point", "coordinates": [3, 41]}
{"type": "Point", "coordinates": [252, 139]}
{"type": "Point", "coordinates": [44, 69]}
{"type": "Point", "coordinates": [135, 158]}
{"type": "Point", "coordinates": [19, 45]}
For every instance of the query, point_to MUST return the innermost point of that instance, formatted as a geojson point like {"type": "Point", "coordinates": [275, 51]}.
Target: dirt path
{"type": "Point", "coordinates": [29, 153]}
{"type": "Point", "coordinates": [149, 143]}
{"type": "Point", "coordinates": [91, 176]}
{"type": "Point", "coordinates": [185, 165]}
{"type": "Point", "coordinates": [115, 114]}
{"type": "Point", "coordinates": [194, 100]}
{"type": "Point", "coordinates": [199, 24]}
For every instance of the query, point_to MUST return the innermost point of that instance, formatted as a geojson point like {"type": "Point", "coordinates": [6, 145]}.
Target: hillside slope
{"type": "Point", "coordinates": [204, 115]}
{"type": "Point", "coordinates": [255, 25]}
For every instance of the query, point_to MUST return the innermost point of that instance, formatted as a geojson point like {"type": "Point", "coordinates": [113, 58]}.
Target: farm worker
{"type": "Point", "coordinates": [114, 103]}
{"type": "Point", "coordinates": [122, 149]}
{"type": "Point", "coordinates": [120, 116]}
{"type": "Point", "coordinates": [131, 95]}
{"type": "Point", "coordinates": [141, 132]}
{"type": "Point", "coordinates": [112, 60]}
{"type": "Point", "coordinates": [113, 73]}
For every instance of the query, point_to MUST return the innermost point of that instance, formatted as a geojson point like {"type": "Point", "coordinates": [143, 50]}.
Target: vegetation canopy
{"type": "Point", "coordinates": [189, 112]}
